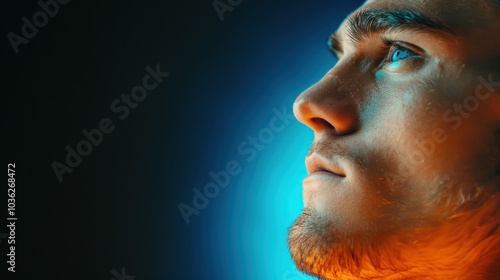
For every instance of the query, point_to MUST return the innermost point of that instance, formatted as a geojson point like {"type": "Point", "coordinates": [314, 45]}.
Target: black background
{"type": "Point", "coordinates": [110, 212]}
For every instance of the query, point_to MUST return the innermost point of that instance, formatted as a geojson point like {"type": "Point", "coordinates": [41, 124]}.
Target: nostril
{"type": "Point", "coordinates": [322, 122]}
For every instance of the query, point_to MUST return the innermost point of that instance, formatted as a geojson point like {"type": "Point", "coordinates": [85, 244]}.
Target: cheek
{"type": "Point", "coordinates": [421, 136]}
{"type": "Point", "coordinates": [405, 127]}
{"type": "Point", "coordinates": [447, 137]}
{"type": "Point", "coordinates": [393, 156]}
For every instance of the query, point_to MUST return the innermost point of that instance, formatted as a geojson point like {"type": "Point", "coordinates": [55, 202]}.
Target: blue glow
{"type": "Point", "coordinates": [242, 233]}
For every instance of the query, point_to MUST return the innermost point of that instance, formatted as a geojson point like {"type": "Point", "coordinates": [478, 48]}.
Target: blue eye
{"type": "Point", "coordinates": [401, 53]}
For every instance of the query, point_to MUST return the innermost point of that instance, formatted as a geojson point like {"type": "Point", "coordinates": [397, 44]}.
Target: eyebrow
{"type": "Point", "coordinates": [363, 23]}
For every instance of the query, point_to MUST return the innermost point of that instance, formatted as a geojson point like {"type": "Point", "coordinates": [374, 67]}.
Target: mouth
{"type": "Point", "coordinates": [318, 165]}
{"type": "Point", "coordinates": [325, 179]}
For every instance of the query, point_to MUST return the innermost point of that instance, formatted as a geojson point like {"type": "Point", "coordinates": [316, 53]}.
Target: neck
{"type": "Point", "coordinates": [465, 247]}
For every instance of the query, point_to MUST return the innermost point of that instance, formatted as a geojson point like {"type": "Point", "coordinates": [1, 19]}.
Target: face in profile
{"type": "Point", "coordinates": [404, 170]}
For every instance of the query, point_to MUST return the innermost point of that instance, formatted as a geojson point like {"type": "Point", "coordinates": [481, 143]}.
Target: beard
{"type": "Point", "coordinates": [415, 247]}
{"type": "Point", "coordinates": [320, 249]}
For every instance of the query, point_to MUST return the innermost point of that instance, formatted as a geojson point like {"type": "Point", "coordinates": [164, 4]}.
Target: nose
{"type": "Point", "coordinates": [329, 105]}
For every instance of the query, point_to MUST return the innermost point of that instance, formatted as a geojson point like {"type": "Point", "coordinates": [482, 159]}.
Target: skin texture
{"type": "Point", "coordinates": [416, 142]}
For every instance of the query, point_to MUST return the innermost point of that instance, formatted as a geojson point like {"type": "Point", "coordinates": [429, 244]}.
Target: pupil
{"type": "Point", "coordinates": [398, 54]}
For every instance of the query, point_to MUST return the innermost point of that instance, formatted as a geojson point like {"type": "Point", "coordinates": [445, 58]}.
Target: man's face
{"type": "Point", "coordinates": [406, 156]}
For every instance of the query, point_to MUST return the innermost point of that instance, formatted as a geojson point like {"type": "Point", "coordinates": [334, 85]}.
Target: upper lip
{"type": "Point", "coordinates": [317, 163]}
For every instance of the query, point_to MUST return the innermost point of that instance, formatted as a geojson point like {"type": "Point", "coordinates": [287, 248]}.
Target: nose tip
{"type": "Point", "coordinates": [304, 113]}
{"type": "Point", "coordinates": [300, 110]}
{"type": "Point", "coordinates": [325, 107]}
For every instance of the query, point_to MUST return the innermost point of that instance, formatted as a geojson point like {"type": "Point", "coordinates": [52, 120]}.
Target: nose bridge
{"type": "Point", "coordinates": [329, 104]}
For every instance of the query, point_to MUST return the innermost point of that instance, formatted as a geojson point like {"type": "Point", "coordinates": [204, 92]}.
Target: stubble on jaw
{"type": "Point", "coordinates": [461, 239]}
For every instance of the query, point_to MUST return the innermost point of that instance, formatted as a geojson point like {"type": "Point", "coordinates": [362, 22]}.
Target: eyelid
{"type": "Point", "coordinates": [411, 47]}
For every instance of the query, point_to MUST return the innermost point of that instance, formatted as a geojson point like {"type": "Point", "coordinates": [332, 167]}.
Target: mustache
{"type": "Point", "coordinates": [328, 148]}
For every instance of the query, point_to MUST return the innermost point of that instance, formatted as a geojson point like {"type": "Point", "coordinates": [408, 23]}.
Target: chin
{"type": "Point", "coordinates": [322, 250]}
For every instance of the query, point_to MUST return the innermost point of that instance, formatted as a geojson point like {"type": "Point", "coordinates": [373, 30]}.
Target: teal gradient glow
{"type": "Point", "coordinates": [242, 232]}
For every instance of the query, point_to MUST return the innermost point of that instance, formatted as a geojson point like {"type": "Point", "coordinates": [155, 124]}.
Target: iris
{"type": "Point", "coordinates": [401, 53]}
